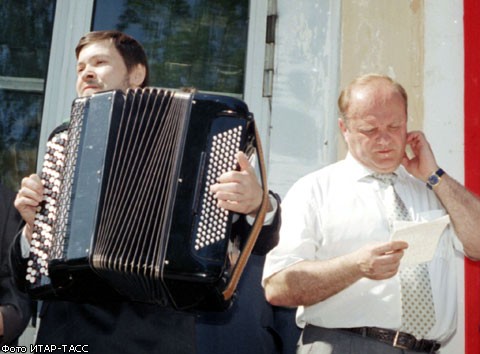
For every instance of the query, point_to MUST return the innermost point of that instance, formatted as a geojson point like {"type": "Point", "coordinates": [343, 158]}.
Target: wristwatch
{"type": "Point", "coordinates": [435, 178]}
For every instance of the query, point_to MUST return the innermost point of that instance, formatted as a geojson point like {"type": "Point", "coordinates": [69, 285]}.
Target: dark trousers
{"type": "Point", "coordinates": [251, 325]}
{"type": "Point", "coordinates": [318, 340]}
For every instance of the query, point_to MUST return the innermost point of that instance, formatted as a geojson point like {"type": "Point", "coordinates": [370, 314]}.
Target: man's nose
{"type": "Point", "coordinates": [384, 137]}
{"type": "Point", "coordinates": [88, 73]}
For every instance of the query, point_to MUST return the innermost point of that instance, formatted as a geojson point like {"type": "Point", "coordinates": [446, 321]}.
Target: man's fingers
{"type": "Point", "coordinates": [243, 161]}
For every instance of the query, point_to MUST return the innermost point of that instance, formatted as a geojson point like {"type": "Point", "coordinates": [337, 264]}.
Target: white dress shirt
{"type": "Point", "coordinates": [338, 209]}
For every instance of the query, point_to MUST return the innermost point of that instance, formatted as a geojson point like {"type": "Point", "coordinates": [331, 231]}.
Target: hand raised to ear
{"type": "Point", "coordinates": [423, 164]}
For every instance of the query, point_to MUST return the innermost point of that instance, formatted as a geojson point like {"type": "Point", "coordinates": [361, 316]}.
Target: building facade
{"type": "Point", "coordinates": [287, 60]}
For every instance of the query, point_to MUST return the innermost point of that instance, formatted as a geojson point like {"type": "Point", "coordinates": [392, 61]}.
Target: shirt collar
{"type": "Point", "coordinates": [359, 172]}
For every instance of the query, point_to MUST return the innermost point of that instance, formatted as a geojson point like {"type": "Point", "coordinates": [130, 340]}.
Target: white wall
{"type": "Point", "coordinates": [443, 109]}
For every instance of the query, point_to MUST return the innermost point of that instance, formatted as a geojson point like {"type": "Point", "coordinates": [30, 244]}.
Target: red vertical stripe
{"type": "Point", "coordinates": [472, 163]}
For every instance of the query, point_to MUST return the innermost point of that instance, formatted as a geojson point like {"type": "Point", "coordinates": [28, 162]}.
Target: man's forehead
{"type": "Point", "coordinates": [373, 90]}
{"type": "Point", "coordinates": [103, 47]}
{"type": "Point", "coordinates": [369, 97]}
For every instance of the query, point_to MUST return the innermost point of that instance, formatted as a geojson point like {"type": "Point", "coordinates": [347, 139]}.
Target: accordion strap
{"type": "Point", "coordinates": [256, 227]}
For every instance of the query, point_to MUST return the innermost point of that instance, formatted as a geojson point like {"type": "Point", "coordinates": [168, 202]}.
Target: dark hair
{"type": "Point", "coordinates": [345, 95]}
{"type": "Point", "coordinates": [129, 48]}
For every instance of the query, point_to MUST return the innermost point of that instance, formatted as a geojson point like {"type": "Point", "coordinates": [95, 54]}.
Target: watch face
{"type": "Point", "coordinates": [433, 180]}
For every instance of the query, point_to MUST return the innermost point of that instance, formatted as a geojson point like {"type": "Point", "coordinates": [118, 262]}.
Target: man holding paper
{"type": "Point", "coordinates": [336, 259]}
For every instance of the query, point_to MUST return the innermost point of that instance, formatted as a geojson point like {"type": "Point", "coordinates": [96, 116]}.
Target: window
{"type": "Point", "coordinates": [189, 43]}
{"type": "Point", "coordinates": [25, 35]}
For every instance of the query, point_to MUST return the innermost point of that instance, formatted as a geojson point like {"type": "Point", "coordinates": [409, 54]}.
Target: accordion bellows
{"type": "Point", "coordinates": [127, 212]}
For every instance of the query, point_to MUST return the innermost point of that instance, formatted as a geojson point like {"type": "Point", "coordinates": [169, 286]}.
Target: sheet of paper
{"type": "Point", "coordinates": [422, 239]}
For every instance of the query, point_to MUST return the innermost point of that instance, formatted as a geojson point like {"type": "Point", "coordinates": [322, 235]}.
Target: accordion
{"type": "Point", "coordinates": [127, 212]}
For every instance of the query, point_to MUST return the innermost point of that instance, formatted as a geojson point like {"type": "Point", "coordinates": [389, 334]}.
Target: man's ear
{"type": "Point", "coordinates": [342, 125]}
{"type": "Point", "coordinates": [137, 76]}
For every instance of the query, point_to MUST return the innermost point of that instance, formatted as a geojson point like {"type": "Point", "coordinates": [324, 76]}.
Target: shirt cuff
{"type": "Point", "coordinates": [24, 246]}
{"type": "Point", "coordinates": [268, 216]}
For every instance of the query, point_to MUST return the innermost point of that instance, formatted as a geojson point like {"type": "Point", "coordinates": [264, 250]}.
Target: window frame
{"type": "Point", "coordinates": [72, 20]}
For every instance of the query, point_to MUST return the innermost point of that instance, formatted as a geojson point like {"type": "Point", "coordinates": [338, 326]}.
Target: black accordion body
{"type": "Point", "coordinates": [127, 212]}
